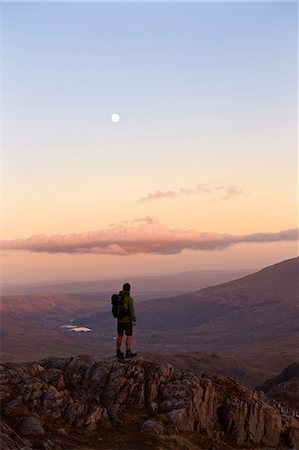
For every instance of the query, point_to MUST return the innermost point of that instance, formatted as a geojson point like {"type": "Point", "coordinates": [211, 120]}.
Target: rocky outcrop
{"type": "Point", "coordinates": [46, 403]}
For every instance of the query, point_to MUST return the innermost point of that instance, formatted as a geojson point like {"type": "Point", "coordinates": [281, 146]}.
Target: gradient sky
{"type": "Point", "coordinates": [207, 141]}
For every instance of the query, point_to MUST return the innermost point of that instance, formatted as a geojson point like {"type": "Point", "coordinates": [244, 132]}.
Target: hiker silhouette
{"type": "Point", "coordinates": [125, 323]}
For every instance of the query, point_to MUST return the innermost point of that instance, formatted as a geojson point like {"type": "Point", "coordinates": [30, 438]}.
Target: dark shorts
{"type": "Point", "coordinates": [125, 326]}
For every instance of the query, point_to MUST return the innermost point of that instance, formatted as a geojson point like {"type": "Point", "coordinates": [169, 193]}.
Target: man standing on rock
{"type": "Point", "coordinates": [125, 324]}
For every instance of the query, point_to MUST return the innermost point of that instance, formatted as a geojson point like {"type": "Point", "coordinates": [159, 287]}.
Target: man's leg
{"type": "Point", "coordinates": [129, 338]}
{"type": "Point", "coordinates": [129, 342]}
{"type": "Point", "coordinates": [118, 342]}
{"type": "Point", "coordinates": [120, 332]}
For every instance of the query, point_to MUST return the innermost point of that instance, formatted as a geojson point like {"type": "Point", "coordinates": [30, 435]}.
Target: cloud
{"type": "Point", "coordinates": [227, 191]}
{"type": "Point", "coordinates": [158, 195]}
{"type": "Point", "coordinates": [149, 237]}
{"type": "Point", "coordinates": [147, 219]}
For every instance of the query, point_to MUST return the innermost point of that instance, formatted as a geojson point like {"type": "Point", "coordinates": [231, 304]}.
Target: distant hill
{"type": "Point", "coordinates": [230, 317]}
{"type": "Point", "coordinates": [144, 287]}
{"type": "Point", "coordinates": [266, 298]}
{"type": "Point", "coordinates": [250, 323]}
{"type": "Point", "coordinates": [32, 315]}
{"type": "Point", "coordinates": [250, 300]}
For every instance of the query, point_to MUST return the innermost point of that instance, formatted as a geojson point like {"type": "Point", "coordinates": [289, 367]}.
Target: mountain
{"type": "Point", "coordinates": [144, 287]}
{"type": "Point", "coordinates": [245, 328]}
{"type": "Point", "coordinates": [254, 315]}
{"type": "Point", "coordinates": [79, 402]}
{"type": "Point", "coordinates": [270, 295]}
{"type": "Point", "coordinates": [32, 315]}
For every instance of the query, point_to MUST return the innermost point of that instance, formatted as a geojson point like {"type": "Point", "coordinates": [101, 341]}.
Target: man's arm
{"type": "Point", "coordinates": [131, 309]}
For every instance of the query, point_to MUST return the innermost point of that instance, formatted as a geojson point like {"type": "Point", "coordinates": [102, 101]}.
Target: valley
{"type": "Point", "coordinates": [246, 327]}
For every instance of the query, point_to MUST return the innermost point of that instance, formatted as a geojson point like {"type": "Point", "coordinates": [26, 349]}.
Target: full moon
{"type": "Point", "coordinates": [115, 118]}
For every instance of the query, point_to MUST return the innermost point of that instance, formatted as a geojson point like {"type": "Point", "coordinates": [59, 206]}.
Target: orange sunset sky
{"type": "Point", "coordinates": [201, 170]}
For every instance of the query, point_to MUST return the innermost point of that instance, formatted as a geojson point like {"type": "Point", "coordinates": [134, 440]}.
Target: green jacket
{"type": "Point", "coordinates": [131, 317]}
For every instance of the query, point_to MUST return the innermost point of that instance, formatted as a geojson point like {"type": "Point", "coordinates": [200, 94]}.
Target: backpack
{"type": "Point", "coordinates": [119, 306]}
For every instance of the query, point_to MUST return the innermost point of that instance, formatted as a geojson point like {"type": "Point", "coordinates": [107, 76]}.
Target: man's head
{"type": "Point", "coordinates": [127, 287]}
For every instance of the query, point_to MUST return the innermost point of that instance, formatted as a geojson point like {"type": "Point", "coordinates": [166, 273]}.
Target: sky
{"type": "Point", "coordinates": [200, 172]}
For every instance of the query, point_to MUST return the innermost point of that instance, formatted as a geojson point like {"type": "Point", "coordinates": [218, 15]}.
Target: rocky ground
{"type": "Point", "coordinates": [82, 403]}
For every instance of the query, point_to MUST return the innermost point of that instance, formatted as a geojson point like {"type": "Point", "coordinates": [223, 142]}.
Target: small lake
{"type": "Point", "coordinates": [77, 329]}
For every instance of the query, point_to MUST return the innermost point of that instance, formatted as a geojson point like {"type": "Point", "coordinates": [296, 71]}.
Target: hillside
{"type": "Point", "coordinates": [32, 315]}
{"type": "Point", "coordinates": [240, 317]}
{"type": "Point", "coordinates": [82, 403]}
{"type": "Point", "coordinates": [245, 328]}
{"type": "Point", "coordinates": [269, 296]}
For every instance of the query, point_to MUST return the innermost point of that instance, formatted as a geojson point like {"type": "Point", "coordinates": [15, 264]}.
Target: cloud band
{"type": "Point", "coordinates": [227, 192]}
{"type": "Point", "coordinates": [150, 237]}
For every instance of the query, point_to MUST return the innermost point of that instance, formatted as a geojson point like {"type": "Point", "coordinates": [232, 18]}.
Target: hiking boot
{"type": "Point", "coordinates": [129, 354]}
{"type": "Point", "coordinates": [120, 355]}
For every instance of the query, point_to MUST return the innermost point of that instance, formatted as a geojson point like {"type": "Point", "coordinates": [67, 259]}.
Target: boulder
{"type": "Point", "coordinates": [153, 425]}
{"type": "Point", "coordinates": [31, 426]}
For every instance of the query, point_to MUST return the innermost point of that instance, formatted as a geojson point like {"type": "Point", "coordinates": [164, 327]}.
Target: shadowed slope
{"type": "Point", "coordinates": [237, 317]}
{"type": "Point", "coordinates": [267, 297]}
{"type": "Point", "coordinates": [284, 387]}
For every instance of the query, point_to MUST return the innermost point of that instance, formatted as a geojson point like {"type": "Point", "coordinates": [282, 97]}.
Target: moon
{"type": "Point", "coordinates": [115, 118]}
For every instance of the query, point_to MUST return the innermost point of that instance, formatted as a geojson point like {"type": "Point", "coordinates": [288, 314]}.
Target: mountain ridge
{"type": "Point", "coordinates": [255, 332]}
{"type": "Point", "coordinates": [168, 282]}
{"type": "Point", "coordinates": [230, 319]}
